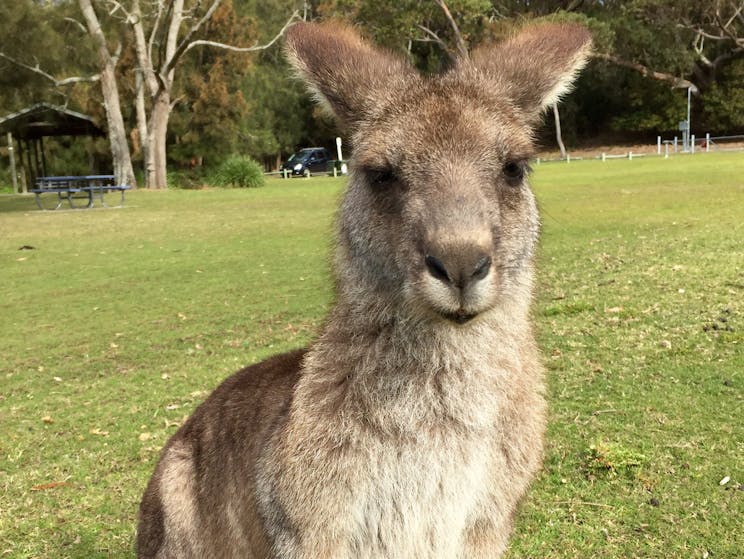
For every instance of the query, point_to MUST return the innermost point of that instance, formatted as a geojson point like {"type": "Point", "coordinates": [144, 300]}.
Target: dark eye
{"type": "Point", "coordinates": [381, 177]}
{"type": "Point", "coordinates": [514, 172]}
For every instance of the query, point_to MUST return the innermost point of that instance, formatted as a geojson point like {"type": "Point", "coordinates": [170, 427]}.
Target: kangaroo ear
{"type": "Point", "coordinates": [346, 74]}
{"type": "Point", "coordinates": [538, 65]}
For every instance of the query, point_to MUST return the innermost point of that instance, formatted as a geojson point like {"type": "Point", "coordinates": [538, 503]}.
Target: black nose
{"type": "Point", "coordinates": [437, 269]}
{"type": "Point", "coordinates": [459, 268]}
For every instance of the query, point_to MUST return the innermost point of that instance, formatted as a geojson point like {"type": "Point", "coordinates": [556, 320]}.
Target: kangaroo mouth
{"type": "Point", "coordinates": [460, 316]}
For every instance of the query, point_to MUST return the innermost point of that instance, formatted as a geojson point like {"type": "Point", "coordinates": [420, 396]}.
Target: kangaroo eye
{"type": "Point", "coordinates": [381, 177]}
{"type": "Point", "coordinates": [514, 172]}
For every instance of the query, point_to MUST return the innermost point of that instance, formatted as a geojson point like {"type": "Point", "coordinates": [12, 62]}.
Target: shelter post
{"type": "Point", "coordinates": [43, 157]}
{"type": "Point", "coordinates": [11, 155]}
{"type": "Point", "coordinates": [29, 167]}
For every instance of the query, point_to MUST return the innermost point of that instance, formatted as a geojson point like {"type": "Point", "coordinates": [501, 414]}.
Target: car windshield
{"type": "Point", "coordinates": [300, 155]}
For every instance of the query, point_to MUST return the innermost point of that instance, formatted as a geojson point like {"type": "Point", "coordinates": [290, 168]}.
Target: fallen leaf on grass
{"type": "Point", "coordinates": [51, 485]}
{"type": "Point", "coordinates": [99, 432]}
{"type": "Point", "coordinates": [47, 419]}
{"type": "Point", "coordinates": [145, 436]}
{"type": "Point", "coordinates": [614, 310]}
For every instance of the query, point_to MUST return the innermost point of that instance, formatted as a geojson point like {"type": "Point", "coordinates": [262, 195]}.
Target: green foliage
{"type": "Point", "coordinates": [724, 103]}
{"type": "Point", "coordinates": [239, 171]}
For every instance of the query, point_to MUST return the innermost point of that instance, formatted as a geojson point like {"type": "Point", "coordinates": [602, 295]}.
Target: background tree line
{"type": "Point", "coordinates": [195, 83]}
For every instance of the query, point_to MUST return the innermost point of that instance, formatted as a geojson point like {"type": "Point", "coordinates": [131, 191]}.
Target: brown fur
{"type": "Point", "coordinates": [413, 425]}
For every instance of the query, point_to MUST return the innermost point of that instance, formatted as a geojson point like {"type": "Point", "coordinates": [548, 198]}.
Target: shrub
{"type": "Point", "coordinates": [239, 171]}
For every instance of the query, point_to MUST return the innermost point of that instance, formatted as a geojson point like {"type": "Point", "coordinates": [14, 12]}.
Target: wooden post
{"type": "Point", "coordinates": [35, 150]}
{"type": "Point", "coordinates": [43, 157]}
{"type": "Point", "coordinates": [707, 141]}
{"type": "Point", "coordinates": [29, 168]}
{"type": "Point", "coordinates": [11, 154]}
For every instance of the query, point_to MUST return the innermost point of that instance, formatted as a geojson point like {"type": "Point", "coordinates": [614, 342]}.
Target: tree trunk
{"type": "Point", "coordinates": [143, 130]}
{"type": "Point", "coordinates": [146, 81]}
{"type": "Point", "coordinates": [558, 135]}
{"type": "Point", "coordinates": [116, 130]}
{"type": "Point", "coordinates": [158, 133]}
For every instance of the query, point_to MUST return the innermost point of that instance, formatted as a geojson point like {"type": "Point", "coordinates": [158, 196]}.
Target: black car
{"type": "Point", "coordinates": [307, 161]}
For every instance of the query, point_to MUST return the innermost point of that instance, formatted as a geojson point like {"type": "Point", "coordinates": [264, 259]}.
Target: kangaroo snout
{"type": "Point", "coordinates": [459, 268]}
{"type": "Point", "coordinates": [458, 282]}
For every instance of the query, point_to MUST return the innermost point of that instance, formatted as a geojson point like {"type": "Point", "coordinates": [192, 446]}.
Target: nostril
{"type": "Point", "coordinates": [481, 268]}
{"type": "Point", "coordinates": [437, 269]}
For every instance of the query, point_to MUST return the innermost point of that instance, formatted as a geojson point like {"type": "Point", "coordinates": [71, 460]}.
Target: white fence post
{"type": "Point", "coordinates": [604, 157]}
{"type": "Point", "coordinates": [658, 145]}
{"type": "Point", "coordinates": [692, 144]}
{"type": "Point", "coordinates": [707, 141]}
{"type": "Point", "coordinates": [675, 144]}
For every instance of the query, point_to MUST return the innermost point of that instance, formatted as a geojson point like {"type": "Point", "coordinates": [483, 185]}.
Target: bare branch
{"type": "Point", "coordinates": [675, 81]}
{"type": "Point", "coordinates": [57, 83]}
{"type": "Point", "coordinates": [117, 7]}
{"type": "Point", "coordinates": [434, 38]}
{"type": "Point", "coordinates": [726, 30]}
{"type": "Point", "coordinates": [153, 33]}
{"type": "Point", "coordinates": [736, 15]}
{"type": "Point", "coordinates": [254, 48]}
{"type": "Point", "coordinates": [176, 101]}
{"type": "Point", "coordinates": [184, 45]}
{"type": "Point", "coordinates": [76, 22]}
{"type": "Point", "coordinates": [142, 49]}
{"type": "Point", "coordinates": [461, 47]}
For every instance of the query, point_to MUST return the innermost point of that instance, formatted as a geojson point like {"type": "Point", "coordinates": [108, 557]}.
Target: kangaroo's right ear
{"type": "Point", "coordinates": [347, 75]}
{"type": "Point", "coordinates": [536, 66]}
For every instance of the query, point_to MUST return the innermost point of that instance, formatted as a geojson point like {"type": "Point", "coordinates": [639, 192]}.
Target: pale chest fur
{"type": "Point", "coordinates": [404, 462]}
{"type": "Point", "coordinates": [419, 498]}
{"type": "Point", "coordinates": [410, 498]}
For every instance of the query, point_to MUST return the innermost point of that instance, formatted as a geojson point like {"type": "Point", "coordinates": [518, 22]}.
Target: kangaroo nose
{"type": "Point", "coordinates": [460, 268]}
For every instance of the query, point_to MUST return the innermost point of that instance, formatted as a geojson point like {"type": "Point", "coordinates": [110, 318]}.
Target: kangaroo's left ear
{"type": "Point", "coordinates": [537, 65]}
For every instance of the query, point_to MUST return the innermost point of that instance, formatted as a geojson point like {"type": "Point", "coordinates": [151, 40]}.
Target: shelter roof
{"type": "Point", "coordinates": [44, 119]}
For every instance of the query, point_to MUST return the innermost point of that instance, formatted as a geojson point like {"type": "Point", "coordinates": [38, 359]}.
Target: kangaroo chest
{"type": "Point", "coordinates": [416, 499]}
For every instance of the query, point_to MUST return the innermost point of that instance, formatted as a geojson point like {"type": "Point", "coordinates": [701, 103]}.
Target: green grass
{"type": "Point", "coordinates": [120, 321]}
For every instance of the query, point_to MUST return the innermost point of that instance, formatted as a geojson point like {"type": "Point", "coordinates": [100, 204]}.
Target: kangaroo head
{"type": "Point", "coordinates": [438, 213]}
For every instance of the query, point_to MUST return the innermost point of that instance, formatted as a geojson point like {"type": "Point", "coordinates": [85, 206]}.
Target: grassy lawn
{"type": "Point", "coordinates": [119, 322]}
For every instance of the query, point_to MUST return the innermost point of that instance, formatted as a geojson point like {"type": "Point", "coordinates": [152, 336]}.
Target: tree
{"type": "Point", "coordinates": [174, 29]}
{"type": "Point", "coordinates": [116, 130]}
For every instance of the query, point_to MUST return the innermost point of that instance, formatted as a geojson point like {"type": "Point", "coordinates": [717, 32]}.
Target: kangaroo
{"type": "Point", "coordinates": [413, 425]}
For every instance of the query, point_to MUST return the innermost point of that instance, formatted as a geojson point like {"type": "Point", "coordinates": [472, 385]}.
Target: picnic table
{"type": "Point", "coordinates": [78, 191]}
